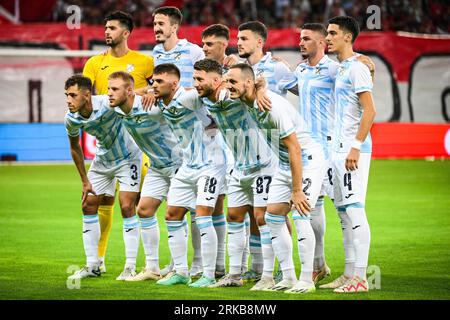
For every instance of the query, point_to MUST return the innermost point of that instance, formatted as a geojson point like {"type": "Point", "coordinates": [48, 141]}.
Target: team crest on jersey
{"type": "Point", "coordinates": [341, 70]}
{"type": "Point", "coordinates": [138, 119]}
{"type": "Point", "coordinates": [177, 56]}
{"type": "Point", "coordinates": [259, 72]}
{"type": "Point", "coordinates": [130, 67]}
{"type": "Point", "coordinates": [318, 71]}
{"type": "Point", "coordinates": [173, 110]}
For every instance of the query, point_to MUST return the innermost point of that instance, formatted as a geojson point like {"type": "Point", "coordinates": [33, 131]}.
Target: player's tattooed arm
{"type": "Point", "coordinates": [369, 63]}
{"type": "Point", "coordinates": [78, 158]}
{"type": "Point", "coordinates": [262, 100]}
{"type": "Point", "coordinates": [298, 198]}
{"type": "Point", "coordinates": [368, 116]}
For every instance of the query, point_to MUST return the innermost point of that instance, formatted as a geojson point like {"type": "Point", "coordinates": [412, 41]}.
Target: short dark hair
{"type": "Point", "coordinates": [173, 13]}
{"type": "Point", "coordinates": [169, 68]}
{"type": "Point", "coordinates": [245, 68]}
{"type": "Point", "coordinates": [218, 30]}
{"type": "Point", "coordinates": [125, 76]}
{"type": "Point", "coordinates": [124, 18]}
{"type": "Point", "coordinates": [78, 79]}
{"type": "Point", "coordinates": [318, 27]}
{"type": "Point", "coordinates": [208, 65]}
{"type": "Point", "coordinates": [347, 24]}
{"type": "Point", "coordinates": [256, 27]}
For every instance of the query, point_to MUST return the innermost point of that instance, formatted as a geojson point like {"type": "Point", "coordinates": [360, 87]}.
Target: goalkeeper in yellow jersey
{"type": "Point", "coordinates": [118, 57]}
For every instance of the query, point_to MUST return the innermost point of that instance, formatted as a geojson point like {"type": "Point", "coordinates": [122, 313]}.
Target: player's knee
{"type": "Point", "coordinates": [260, 220]}
{"type": "Point", "coordinates": [127, 209]}
{"type": "Point", "coordinates": [89, 208]}
{"type": "Point", "coordinates": [235, 217]}
{"type": "Point", "coordinates": [145, 212]}
{"type": "Point", "coordinates": [173, 214]}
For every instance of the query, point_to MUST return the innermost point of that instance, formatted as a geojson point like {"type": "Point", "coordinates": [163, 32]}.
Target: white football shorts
{"type": "Point", "coordinates": [350, 186]}
{"type": "Point", "coordinates": [313, 170]}
{"type": "Point", "coordinates": [250, 188]}
{"type": "Point", "coordinates": [157, 182]}
{"type": "Point", "coordinates": [104, 176]}
{"type": "Point", "coordinates": [192, 187]}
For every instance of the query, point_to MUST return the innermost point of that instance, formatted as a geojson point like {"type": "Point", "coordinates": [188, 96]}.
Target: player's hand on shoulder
{"type": "Point", "coordinates": [230, 60]}
{"type": "Point", "coordinates": [300, 202]}
{"type": "Point", "coordinates": [148, 100]}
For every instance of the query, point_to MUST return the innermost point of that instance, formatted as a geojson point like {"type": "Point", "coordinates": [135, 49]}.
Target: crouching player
{"type": "Point", "coordinates": [152, 134]}
{"type": "Point", "coordinates": [117, 158]}
{"type": "Point", "coordinates": [298, 179]}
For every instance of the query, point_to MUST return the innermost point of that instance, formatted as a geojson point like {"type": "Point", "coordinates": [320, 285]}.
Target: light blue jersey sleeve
{"type": "Point", "coordinates": [360, 78]}
{"type": "Point", "coordinates": [197, 53]}
{"type": "Point", "coordinates": [72, 127]}
{"type": "Point", "coordinates": [190, 100]}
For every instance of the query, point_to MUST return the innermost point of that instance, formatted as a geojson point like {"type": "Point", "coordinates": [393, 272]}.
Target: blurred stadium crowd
{"type": "Point", "coordinates": [422, 16]}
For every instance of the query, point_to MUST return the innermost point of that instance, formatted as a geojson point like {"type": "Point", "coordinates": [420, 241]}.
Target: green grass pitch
{"type": "Point", "coordinates": [408, 207]}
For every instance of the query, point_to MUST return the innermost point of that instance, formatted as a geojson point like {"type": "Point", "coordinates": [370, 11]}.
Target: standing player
{"type": "Point", "coordinates": [117, 158]}
{"type": "Point", "coordinates": [252, 37]}
{"type": "Point", "coordinates": [313, 81]}
{"type": "Point", "coordinates": [355, 113]}
{"type": "Point", "coordinates": [170, 49]}
{"type": "Point", "coordinates": [215, 42]}
{"type": "Point", "coordinates": [154, 137]}
{"type": "Point", "coordinates": [118, 27]}
{"type": "Point", "coordinates": [198, 181]}
{"type": "Point", "coordinates": [183, 54]}
{"type": "Point", "coordinates": [295, 146]}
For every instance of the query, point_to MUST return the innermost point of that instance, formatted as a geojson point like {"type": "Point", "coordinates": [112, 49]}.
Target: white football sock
{"type": "Point", "coordinates": [236, 243]}
{"type": "Point", "coordinates": [131, 239]}
{"type": "Point", "coordinates": [282, 244]}
{"type": "Point", "coordinates": [91, 237]}
{"type": "Point", "coordinates": [220, 225]}
{"type": "Point", "coordinates": [267, 251]}
{"type": "Point", "coordinates": [256, 253]}
{"type": "Point", "coordinates": [318, 224]}
{"type": "Point", "coordinates": [196, 243]}
{"type": "Point", "coordinates": [150, 241]}
{"type": "Point", "coordinates": [209, 245]}
{"type": "Point", "coordinates": [347, 239]}
{"type": "Point", "coordinates": [361, 237]}
{"type": "Point", "coordinates": [246, 253]}
{"type": "Point", "coordinates": [306, 244]}
{"type": "Point", "coordinates": [178, 245]}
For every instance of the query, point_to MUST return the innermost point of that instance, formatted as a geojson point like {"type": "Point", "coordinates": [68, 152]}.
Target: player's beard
{"type": "Point", "coordinates": [206, 92]}
{"type": "Point", "coordinates": [244, 55]}
{"type": "Point", "coordinates": [113, 43]}
{"type": "Point", "coordinates": [118, 102]}
{"type": "Point", "coordinates": [162, 40]}
{"type": "Point", "coordinates": [304, 55]}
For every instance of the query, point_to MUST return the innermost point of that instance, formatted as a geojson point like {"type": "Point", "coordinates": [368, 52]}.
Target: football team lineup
{"type": "Point", "coordinates": [205, 127]}
{"type": "Point", "coordinates": [236, 177]}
